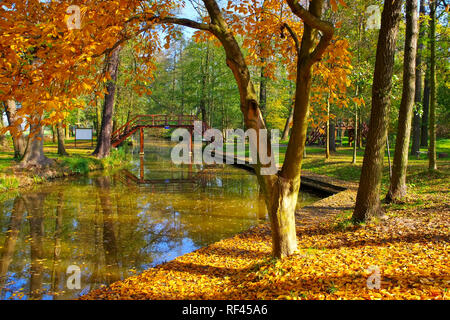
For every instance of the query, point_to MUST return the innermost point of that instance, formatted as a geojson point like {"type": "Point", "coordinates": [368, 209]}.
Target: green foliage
{"type": "Point", "coordinates": [117, 158]}
{"type": "Point", "coordinates": [8, 182]}
{"type": "Point", "coordinates": [77, 164]}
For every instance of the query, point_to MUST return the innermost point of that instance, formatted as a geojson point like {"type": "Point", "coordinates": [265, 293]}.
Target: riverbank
{"type": "Point", "coordinates": [79, 161]}
{"type": "Point", "coordinates": [409, 247]}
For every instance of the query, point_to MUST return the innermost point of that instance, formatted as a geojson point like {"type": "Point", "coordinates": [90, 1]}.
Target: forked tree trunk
{"type": "Point", "coordinates": [104, 142]}
{"type": "Point", "coordinates": [397, 189]}
{"type": "Point", "coordinates": [15, 129]}
{"type": "Point", "coordinates": [280, 190]}
{"type": "Point", "coordinates": [368, 197]}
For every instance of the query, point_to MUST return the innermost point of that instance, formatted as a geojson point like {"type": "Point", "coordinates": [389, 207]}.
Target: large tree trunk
{"type": "Point", "coordinates": [432, 148]}
{"type": "Point", "coordinates": [15, 129]}
{"type": "Point", "coordinates": [416, 126]}
{"type": "Point", "coordinates": [34, 154]}
{"type": "Point", "coordinates": [104, 142]}
{"type": "Point", "coordinates": [397, 189]}
{"type": "Point", "coordinates": [61, 144]}
{"type": "Point", "coordinates": [368, 197]}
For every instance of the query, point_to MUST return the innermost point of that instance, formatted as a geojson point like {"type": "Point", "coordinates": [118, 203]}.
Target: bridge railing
{"type": "Point", "coordinates": [155, 120]}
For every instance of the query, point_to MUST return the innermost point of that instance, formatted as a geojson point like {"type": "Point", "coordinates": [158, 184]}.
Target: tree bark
{"type": "Point", "coordinates": [327, 142]}
{"type": "Point", "coordinates": [356, 134]}
{"type": "Point", "coordinates": [61, 144]}
{"type": "Point", "coordinates": [104, 142]}
{"type": "Point", "coordinates": [263, 90]}
{"type": "Point", "coordinates": [368, 197]}
{"type": "Point", "coordinates": [398, 189]}
{"type": "Point", "coordinates": [15, 129]}
{"type": "Point", "coordinates": [34, 154]}
{"type": "Point", "coordinates": [432, 130]}
{"type": "Point", "coordinates": [332, 136]}
{"type": "Point", "coordinates": [287, 125]}
{"type": "Point", "coordinates": [426, 108]}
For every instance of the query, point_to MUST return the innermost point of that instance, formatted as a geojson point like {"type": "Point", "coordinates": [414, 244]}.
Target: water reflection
{"type": "Point", "coordinates": [112, 227]}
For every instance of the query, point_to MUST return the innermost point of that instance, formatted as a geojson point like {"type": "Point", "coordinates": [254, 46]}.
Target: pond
{"type": "Point", "coordinates": [110, 226]}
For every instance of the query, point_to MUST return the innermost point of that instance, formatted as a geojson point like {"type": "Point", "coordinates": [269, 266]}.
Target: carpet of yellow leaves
{"type": "Point", "coordinates": [410, 246]}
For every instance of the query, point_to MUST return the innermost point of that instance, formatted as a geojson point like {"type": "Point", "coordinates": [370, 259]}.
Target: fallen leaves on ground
{"type": "Point", "coordinates": [410, 247]}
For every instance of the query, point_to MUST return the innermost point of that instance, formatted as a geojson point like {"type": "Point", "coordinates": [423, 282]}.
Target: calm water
{"type": "Point", "coordinates": [111, 227]}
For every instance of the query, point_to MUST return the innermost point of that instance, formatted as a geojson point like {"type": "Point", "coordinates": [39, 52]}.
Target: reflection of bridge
{"type": "Point", "coordinates": [141, 122]}
{"type": "Point", "coordinates": [198, 178]}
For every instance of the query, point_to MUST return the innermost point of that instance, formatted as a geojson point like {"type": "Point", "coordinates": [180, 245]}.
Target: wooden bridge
{"type": "Point", "coordinates": [140, 122]}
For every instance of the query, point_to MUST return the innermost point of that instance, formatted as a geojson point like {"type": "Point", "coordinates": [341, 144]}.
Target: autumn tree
{"type": "Point", "coordinates": [368, 198]}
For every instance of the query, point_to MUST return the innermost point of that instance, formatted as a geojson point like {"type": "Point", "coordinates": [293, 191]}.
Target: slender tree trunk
{"type": "Point", "coordinates": [327, 142]}
{"type": "Point", "coordinates": [332, 136]}
{"type": "Point", "coordinates": [397, 189]}
{"type": "Point", "coordinates": [61, 144]}
{"type": "Point", "coordinates": [416, 126]}
{"type": "Point", "coordinates": [263, 90]}
{"type": "Point", "coordinates": [356, 135]}
{"type": "Point", "coordinates": [53, 127]}
{"type": "Point", "coordinates": [205, 76]}
{"type": "Point", "coordinates": [368, 197]}
{"type": "Point", "coordinates": [432, 148]}
{"type": "Point", "coordinates": [104, 142]}
{"type": "Point", "coordinates": [15, 129]}
{"type": "Point", "coordinates": [287, 125]}
{"type": "Point", "coordinates": [426, 108]}
{"type": "Point", "coordinates": [99, 119]}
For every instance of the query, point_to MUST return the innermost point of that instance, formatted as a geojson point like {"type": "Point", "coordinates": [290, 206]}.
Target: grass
{"type": "Point", "coordinates": [79, 161]}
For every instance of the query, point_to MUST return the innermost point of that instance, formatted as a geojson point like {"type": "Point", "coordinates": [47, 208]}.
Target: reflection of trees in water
{"type": "Point", "coordinates": [56, 270]}
{"type": "Point", "coordinates": [109, 237]}
{"type": "Point", "coordinates": [34, 203]}
{"type": "Point", "coordinates": [11, 236]}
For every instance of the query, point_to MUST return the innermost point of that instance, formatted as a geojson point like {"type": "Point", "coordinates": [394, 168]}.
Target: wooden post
{"type": "Point", "coordinates": [141, 164]}
{"type": "Point", "coordinates": [142, 140]}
